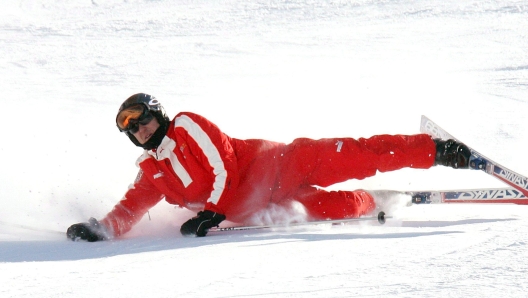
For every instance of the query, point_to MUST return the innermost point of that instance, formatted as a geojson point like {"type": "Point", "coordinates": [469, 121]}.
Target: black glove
{"type": "Point", "coordinates": [91, 231]}
{"type": "Point", "coordinates": [200, 224]}
{"type": "Point", "coordinates": [451, 153]}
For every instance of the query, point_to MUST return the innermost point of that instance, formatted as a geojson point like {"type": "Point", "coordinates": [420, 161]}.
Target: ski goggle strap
{"type": "Point", "coordinates": [130, 118]}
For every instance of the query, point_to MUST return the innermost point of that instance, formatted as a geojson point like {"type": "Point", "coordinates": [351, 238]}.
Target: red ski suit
{"type": "Point", "coordinates": [198, 167]}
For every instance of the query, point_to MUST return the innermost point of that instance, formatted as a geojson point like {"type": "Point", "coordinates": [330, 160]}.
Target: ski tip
{"type": "Point", "coordinates": [381, 217]}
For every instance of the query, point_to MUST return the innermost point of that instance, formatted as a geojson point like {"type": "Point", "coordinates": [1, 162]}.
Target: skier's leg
{"type": "Point", "coordinates": [328, 161]}
{"type": "Point", "coordinates": [321, 204]}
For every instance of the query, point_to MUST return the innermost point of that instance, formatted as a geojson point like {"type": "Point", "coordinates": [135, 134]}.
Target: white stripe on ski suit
{"type": "Point", "coordinates": [167, 151]}
{"type": "Point", "coordinates": [210, 151]}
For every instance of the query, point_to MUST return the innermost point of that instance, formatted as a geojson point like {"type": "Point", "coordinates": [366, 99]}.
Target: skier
{"type": "Point", "coordinates": [190, 162]}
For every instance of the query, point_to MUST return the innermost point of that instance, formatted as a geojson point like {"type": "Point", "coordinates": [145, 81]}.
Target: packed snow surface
{"type": "Point", "coordinates": [276, 70]}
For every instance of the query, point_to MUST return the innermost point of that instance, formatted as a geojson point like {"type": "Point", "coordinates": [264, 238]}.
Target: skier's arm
{"type": "Point", "coordinates": [215, 150]}
{"type": "Point", "coordinates": [141, 196]}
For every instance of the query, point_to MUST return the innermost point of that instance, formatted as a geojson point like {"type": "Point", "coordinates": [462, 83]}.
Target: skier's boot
{"type": "Point", "coordinates": [451, 153]}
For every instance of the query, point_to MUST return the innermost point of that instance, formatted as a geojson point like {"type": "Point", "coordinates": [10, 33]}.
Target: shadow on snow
{"type": "Point", "coordinates": [64, 250]}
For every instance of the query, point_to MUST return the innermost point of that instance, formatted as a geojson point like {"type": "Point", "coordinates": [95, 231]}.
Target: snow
{"type": "Point", "coordinates": [259, 69]}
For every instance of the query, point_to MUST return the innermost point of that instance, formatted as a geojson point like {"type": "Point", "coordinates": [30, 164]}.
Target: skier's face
{"type": "Point", "coordinates": [146, 131]}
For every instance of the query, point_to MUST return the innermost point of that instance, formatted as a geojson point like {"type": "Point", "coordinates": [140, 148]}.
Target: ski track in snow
{"type": "Point", "coordinates": [259, 69]}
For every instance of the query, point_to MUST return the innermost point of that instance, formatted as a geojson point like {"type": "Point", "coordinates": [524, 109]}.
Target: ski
{"type": "Point", "coordinates": [489, 195]}
{"type": "Point", "coordinates": [479, 161]}
{"type": "Point", "coordinates": [381, 218]}
{"type": "Point", "coordinates": [479, 195]}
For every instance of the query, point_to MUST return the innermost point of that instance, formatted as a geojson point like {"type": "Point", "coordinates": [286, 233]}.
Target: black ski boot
{"type": "Point", "coordinates": [451, 153]}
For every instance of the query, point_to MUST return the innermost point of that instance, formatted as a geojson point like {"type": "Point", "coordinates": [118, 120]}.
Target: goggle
{"type": "Point", "coordinates": [130, 118]}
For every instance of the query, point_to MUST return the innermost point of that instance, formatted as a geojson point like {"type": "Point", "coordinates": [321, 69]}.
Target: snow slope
{"type": "Point", "coordinates": [259, 69]}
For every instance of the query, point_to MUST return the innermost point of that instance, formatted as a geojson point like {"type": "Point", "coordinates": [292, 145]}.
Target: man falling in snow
{"type": "Point", "coordinates": [191, 163]}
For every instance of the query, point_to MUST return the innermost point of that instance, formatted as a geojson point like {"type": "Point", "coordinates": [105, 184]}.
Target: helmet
{"type": "Point", "coordinates": [155, 108]}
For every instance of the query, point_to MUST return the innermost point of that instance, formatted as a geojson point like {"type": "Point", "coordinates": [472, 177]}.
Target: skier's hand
{"type": "Point", "coordinates": [90, 231]}
{"type": "Point", "coordinates": [200, 224]}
